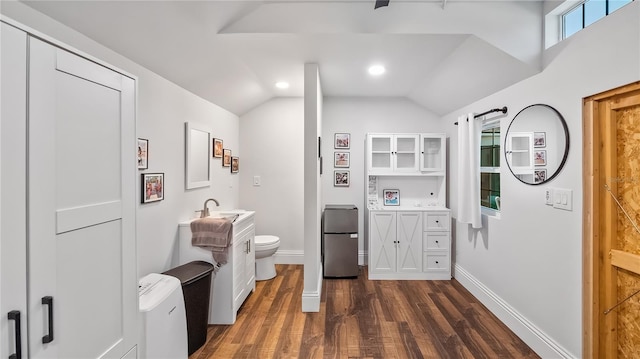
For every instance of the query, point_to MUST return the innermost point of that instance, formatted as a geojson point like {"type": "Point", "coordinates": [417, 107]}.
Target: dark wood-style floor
{"type": "Point", "coordinates": [360, 318]}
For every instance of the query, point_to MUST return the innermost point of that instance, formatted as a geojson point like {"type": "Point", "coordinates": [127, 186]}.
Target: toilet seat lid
{"type": "Point", "coordinates": [266, 240]}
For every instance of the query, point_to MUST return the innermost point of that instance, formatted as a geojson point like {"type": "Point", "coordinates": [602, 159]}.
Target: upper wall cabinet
{"type": "Point", "coordinates": [432, 152]}
{"type": "Point", "coordinates": [406, 154]}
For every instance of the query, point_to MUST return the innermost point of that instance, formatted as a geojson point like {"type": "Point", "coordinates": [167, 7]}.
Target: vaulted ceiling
{"type": "Point", "coordinates": [442, 55]}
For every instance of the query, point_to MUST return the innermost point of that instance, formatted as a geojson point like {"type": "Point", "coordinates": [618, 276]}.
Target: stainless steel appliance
{"type": "Point", "coordinates": [340, 240]}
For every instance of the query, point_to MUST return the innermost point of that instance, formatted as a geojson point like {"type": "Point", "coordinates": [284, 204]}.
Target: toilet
{"type": "Point", "coordinates": [266, 246]}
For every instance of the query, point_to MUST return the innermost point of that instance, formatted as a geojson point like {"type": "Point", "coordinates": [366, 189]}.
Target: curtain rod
{"type": "Point", "coordinates": [503, 110]}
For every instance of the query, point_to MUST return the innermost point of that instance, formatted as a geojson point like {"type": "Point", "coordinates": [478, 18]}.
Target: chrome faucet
{"type": "Point", "coordinates": [205, 211]}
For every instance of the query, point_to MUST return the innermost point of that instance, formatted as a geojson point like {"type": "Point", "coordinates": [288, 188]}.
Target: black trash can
{"type": "Point", "coordinates": [196, 288]}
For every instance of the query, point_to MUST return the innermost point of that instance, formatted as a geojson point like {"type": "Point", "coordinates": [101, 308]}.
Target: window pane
{"type": "Point", "coordinates": [572, 21]}
{"type": "Point", "coordinates": [616, 4]}
{"type": "Point", "coordinates": [489, 189]}
{"type": "Point", "coordinates": [594, 10]}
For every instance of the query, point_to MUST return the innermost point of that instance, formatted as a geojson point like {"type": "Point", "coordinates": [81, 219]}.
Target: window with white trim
{"type": "Point", "coordinates": [490, 166]}
{"type": "Point", "coordinates": [588, 12]}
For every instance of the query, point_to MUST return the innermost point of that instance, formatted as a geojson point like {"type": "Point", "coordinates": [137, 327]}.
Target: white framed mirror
{"type": "Point", "coordinates": [197, 142]}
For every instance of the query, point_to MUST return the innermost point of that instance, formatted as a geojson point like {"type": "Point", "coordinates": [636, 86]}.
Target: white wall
{"type": "Point", "coordinates": [313, 112]}
{"type": "Point", "coordinates": [526, 266]}
{"type": "Point", "coordinates": [162, 109]}
{"type": "Point", "coordinates": [273, 134]}
{"type": "Point", "coordinates": [358, 116]}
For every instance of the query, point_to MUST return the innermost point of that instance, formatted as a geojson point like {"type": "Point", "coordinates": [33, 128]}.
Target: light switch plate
{"type": "Point", "coordinates": [548, 196]}
{"type": "Point", "coordinates": [563, 199]}
{"type": "Point", "coordinates": [256, 181]}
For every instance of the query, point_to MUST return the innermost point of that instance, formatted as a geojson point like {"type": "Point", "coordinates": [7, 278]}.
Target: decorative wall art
{"type": "Point", "coordinates": [341, 178]}
{"type": "Point", "coordinates": [540, 157]}
{"type": "Point", "coordinates": [217, 148]}
{"type": "Point", "coordinates": [235, 164]}
{"type": "Point", "coordinates": [152, 187]}
{"type": "Point", "coordinates": [539, 139]}
{"type": "Point", "coordinates": [391, 197]}
{"type": "Point", "coordinates": [342, 141]}
{"type": "Point", "coordinates": [143, 154]}
{"type": "Point", "coordinates": [226, 157]}
{"type": "Point", "coordinates": [341, 159]}
{"type": "Point", "coordinates": [539, 176]}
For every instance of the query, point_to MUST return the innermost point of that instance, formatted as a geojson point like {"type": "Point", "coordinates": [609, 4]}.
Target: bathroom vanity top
{"type": "Point", "coordinates": [409, 208]}
{"type": "Point", "coordinates": [230, 214]}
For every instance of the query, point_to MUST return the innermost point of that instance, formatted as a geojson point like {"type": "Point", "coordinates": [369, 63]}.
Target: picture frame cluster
{"type": "Point", "coordinates": [233, 162]}
{"type": "Point", "coordinates": [539, 157]}
{"type": "Point", "coordinates": [341, 159]}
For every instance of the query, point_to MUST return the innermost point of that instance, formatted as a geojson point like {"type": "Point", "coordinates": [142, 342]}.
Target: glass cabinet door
{"type": "Point", "coordinates": [519, 153]}
{"type": "Point", "coordinates": [380, 152]}
{"type": "Point", "coordinates": [432, 152]}
{"type": "Point", "coordinates": [406, 153]}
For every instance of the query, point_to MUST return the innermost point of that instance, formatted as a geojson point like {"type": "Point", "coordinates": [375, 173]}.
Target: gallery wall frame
{"type": "Point", "coordinates": [143, 153]}
{"type": "Point", "coordinates": [152, 187]}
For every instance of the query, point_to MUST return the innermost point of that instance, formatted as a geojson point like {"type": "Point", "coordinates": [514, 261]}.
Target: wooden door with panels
{"type": "Point", "coordinates": [611, 223]}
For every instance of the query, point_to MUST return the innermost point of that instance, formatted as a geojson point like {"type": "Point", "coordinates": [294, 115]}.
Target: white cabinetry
{"type": "Point", "coordinates": [432, 152]}
{"type": "Point", "coordinates": [437, 245]}
{"type": "Point", "coordinates": [402, 247]}
{"type": "Point", "coordinates": [235, 280]}
{"type": "Point", "coordinates": [519, 153]}
{"type": "Point", "coordinates": [80, 243]}
{"type": "Point", "coordinates": [392, 153]}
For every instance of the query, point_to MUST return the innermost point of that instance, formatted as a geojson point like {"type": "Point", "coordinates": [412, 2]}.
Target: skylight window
{"type": "Point", "coordinates": [588, 12]}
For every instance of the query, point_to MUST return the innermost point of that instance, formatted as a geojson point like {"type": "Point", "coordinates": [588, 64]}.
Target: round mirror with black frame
{"type": "Point", "coordinates": [536, 144]}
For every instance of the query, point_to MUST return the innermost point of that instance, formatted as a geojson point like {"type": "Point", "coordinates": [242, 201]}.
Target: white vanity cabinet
{"type": "Point", "coordinates": [234, 281]}
{"type": "Point", "coordinates": [409, 244]}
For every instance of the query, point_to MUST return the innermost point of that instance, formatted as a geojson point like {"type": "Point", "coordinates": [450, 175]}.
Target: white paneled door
{"type": "Point", "coordinates": [82, 289]}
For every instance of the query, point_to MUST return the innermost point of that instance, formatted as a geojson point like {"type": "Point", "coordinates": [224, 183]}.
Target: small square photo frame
{"type": "Point", "coordinates": [391, 197]}
{"type": "Point", "coordinates": [235, 164]}
{"type": "Point", "coordinates": [540, 157]}
{"type": "Point", "coordinates": [539, 175]}
{"type": "Point", "coordinates": [152, 187]}
{"type": "Point", "coordinates": [143, 153]}
{"type": "Point", "coordinates": [217, 148]}
{"type": "Point", "coordinates": [341, 178]}
{"type": "Point", "coordinates": [539, 139]}
{"type": "Point", "coordinates": [341, 159]}
{"type": "Point", "coordinates": [342, 141]}
{"type": "Point", "coordinates": [226, 157]}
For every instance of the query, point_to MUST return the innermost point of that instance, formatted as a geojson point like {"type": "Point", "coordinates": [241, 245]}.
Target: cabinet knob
{"type": "Point", "coordinates": [436, 241]}
{"type": "Point", "coordinates": [437, 221]}
{"type": "Point", "coordinates": [436, 262]}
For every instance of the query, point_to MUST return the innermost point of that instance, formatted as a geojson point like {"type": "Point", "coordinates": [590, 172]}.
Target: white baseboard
{"type": "Point", "coordinates": [540, 342]}
{"type": "Point", "coordinates": [362, 258]}
{"type": "Point", "coordinates": [311, 299]}
{"type": "Point", "coordinates": [288, 257]}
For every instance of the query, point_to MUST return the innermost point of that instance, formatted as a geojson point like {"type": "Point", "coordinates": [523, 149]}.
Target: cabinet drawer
{"type": "Point", "coordinates": [435, 262]}
{"type": "Point", "coordinates": [435, 240]}
{"type": "Point", "coordinates": [436, 221]}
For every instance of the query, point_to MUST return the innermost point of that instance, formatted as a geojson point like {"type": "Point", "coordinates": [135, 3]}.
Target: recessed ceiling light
{"type": "Point", "coordinates": [376, 70]}
{"type": "Point", "coordinates": [282, 85]}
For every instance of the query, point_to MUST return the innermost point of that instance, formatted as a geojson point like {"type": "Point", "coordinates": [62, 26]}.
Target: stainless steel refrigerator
{"type": "Point", "coordinates": [340, 240]}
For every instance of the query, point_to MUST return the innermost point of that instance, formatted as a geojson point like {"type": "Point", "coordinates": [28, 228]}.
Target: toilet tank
{"type": "Point", "coordinates": [163, 329]}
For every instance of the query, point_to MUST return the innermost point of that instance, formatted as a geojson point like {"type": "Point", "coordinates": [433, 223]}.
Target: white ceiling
{"type": "Point", "coordinates": [232, 52]}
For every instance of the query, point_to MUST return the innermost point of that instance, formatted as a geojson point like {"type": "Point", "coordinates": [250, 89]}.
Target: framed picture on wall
{"type": "Point", "coordinates": [341, 159]}
{"type": "Point", "coordinates": [152, 187]}
{"type": "Point", "coordinates": [143, 154]}
{"type": "Point", "coordinates": [235, 164]}
{"type": "Point", "coordinates": [341, 178]}
{"type": "Point", "coordinates": [539, 176]}
{"type": "Point", "coordinates": [539, 139]}
{"type": "Point", "coordinates": [226, 157]}
{"type": "Point", "coordinates": [217, 148]}
{"type": "Point", "coordinates": [540, 157]}
{"type": "Point", "coordinates": [391, 197]}
{"type": "Point", "coordinates": [342, 141]}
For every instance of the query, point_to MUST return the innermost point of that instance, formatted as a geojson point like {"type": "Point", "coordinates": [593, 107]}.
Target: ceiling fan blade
{"type": "Point", "coordinates": [381, 3]}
